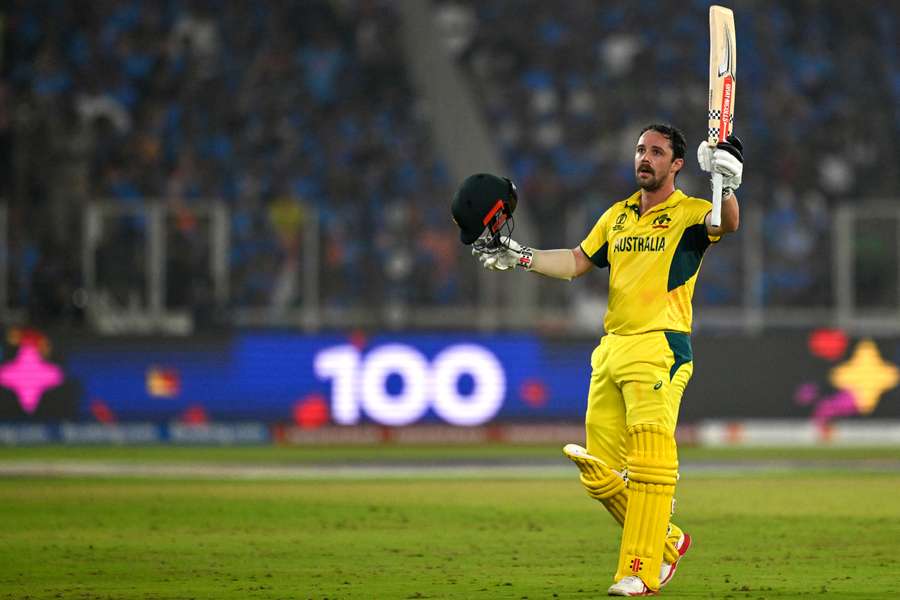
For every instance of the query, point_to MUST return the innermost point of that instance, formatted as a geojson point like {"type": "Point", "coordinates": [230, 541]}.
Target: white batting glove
{"type": "Point", "coordinates": [729, 163]}
{"type": "Point", "coordinates": [509, 255]}
{"type": "Point", "coordinates": [704, 156]}
{"type": "Point", "coordinates": [731, 169]}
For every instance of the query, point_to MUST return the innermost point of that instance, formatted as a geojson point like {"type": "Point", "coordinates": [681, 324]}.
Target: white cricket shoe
{"type": "Point", "coordinates": [630, 586]}
{"type": "Point", "coordinates": [666, 571]}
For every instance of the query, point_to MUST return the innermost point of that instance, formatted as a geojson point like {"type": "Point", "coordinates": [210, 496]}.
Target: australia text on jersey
{"type": "Point", "coordinates": [634, 243]}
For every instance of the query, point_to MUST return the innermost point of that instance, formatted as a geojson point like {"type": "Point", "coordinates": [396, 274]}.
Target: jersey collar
{"type": "Point", "coordinates": [634, 202]}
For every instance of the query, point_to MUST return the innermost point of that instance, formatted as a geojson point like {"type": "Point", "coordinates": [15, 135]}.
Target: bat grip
{"type": "Point", "coordinates": [715, 218]}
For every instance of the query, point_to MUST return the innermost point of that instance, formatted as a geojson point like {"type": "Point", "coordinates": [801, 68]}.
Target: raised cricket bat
{"type": "Point", "coordinates": [722, 66]}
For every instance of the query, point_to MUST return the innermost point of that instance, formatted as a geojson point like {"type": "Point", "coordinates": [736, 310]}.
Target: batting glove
{"type": "Point", "coordinates": [727, 159]}
{"type": "Point", "coordinates": [510, 254]}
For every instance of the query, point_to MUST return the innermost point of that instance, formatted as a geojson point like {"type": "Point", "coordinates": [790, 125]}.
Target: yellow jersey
{"type": "Point", "coordinates": [653, 261]}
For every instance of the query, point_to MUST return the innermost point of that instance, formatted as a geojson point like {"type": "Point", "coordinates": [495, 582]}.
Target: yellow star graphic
{"type": "Point", "coordinates": [866, 376]}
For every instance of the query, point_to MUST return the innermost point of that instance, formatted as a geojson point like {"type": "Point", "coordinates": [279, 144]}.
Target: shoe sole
{"type": "Point", "coordinates": [647, 593]}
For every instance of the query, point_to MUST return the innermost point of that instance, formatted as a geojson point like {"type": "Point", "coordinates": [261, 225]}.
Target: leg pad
{"type": "Point", "coordinates": [652, 463]}
{"type": "Point", "coordinates": [607, 486]}
{"type": "Point", "coordinates": [601, 481]}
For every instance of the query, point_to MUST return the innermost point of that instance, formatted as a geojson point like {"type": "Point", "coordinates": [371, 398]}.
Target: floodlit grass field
{"type": "Point", "coordinates": [828, 526]}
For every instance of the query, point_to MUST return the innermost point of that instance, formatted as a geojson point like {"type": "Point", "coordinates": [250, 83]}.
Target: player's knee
{"type": "Point", "coordinates": [606, 444]}
{"type": "Point", "coordinates": [608, 486]}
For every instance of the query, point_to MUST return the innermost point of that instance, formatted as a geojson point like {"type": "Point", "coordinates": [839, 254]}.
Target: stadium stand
{"type": "Point", "coordinates": [291, 111]}
{"type": "Point", "coordinates": [280, 109]}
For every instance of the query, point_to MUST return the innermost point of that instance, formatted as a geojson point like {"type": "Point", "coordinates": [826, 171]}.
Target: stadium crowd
{"type": "Point", "coordinates": [291, 111]}
{"type": "Point", "coordinates": [281, 110]}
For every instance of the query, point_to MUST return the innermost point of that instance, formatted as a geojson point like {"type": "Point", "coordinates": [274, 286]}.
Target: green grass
{"type": "Point", "coordinates": [823, 534]}
{"type": "Point", "coordinates": [424, 453]}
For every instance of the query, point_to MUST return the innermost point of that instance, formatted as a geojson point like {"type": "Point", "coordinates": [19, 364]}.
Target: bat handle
{"type": "Point", "coordinates": [715, 218]}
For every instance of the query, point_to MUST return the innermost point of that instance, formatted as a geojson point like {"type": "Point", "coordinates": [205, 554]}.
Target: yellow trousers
{"type": "Point", "coordinates": [635, 379]}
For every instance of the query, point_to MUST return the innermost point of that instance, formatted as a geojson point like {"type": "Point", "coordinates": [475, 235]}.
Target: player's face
{"type": "Point", "coordinates": [654, 161]}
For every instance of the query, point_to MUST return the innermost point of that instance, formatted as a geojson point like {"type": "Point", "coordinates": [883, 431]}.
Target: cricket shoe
{"type": "Point", "coordinates": [667, 570]}
{"type": "Point", "coordinates": [630, 586]}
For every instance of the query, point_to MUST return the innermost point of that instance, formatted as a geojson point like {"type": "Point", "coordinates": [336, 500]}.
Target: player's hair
{"type": "Point", "coordinates": [673, 134]}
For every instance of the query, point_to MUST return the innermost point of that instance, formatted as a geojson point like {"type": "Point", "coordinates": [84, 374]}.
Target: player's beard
{"type": "Point", "coordinates": [651, 184]}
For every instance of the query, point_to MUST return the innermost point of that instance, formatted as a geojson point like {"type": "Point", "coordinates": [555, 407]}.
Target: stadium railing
{"type": "Point", "coordinates": [155, 268]}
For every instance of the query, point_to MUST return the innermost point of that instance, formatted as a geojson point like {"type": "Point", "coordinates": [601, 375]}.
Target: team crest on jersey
{"type": "Point", "coordinates": [620, 222]}
{"type": "Point", "coordinates": [662, 221]}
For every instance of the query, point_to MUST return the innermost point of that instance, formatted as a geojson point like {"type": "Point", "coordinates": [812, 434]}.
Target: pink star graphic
{"type": "Point", "coordinates": [29, 376]}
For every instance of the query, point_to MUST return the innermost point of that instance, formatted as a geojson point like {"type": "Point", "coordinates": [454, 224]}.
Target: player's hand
{"type": "Point", "coordinates": [726, 159]}
{"type": "Point", "coordinates": [510, 254]}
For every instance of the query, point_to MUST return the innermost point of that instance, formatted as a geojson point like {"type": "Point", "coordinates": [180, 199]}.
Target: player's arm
{"type": "Point", "coordinates": [731, 217]}
{"type": "Point", "coordinates": [561, 264]}
{"type": "Point", "coordinates": [728, 160]}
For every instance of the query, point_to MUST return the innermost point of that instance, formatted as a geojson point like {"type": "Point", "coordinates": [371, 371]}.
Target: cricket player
{"type": "Point", "coordinates": [653, 243]}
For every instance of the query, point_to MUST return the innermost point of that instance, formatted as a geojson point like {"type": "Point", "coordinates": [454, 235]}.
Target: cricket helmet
{"type": "Point", "coordinates": [484, 204]}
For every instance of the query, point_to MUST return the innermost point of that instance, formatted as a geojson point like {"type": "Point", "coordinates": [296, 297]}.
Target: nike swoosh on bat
{"type": "Point", "coordinates": [725, 65]}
